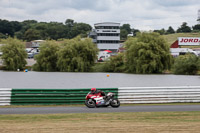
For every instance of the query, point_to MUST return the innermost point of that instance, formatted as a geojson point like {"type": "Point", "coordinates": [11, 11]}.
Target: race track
{"type": "Point", "coordinates": [56, 110]}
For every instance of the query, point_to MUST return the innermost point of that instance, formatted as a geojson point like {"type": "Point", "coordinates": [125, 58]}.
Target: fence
{"type": "Point", "coordinates": [185, 94]}
{"type": "Point", "coordinates": [5, 94]}
{"type": "Point", "coordinates": [51, 96]}
{"type": "Point", "coordinates": [159, 94]}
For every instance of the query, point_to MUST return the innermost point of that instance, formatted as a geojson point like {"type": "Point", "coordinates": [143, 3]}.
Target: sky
{"type": "Point", "coordinates": [140, 14]}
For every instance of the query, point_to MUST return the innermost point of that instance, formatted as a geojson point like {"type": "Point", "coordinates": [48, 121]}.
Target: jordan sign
{"type": "Point", "coordinates": [189, 41]}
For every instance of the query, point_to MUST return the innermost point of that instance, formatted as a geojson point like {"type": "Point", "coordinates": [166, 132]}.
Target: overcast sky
{"type": "Point", "coordinates": [140, 14]}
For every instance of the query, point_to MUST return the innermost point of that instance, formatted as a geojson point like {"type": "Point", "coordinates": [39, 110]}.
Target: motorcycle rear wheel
{"type": "Point", "coordinates": [115, 103]}
{"type": "Point", "coordinates": [90, 103]}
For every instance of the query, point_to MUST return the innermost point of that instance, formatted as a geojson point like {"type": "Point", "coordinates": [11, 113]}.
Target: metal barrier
{"type": "Point", "coordinates": [5, 94]}
{"type": "Point", "coordinates": [184, 94]}
{"type": "Point", "coordinates": [52, 96]}
{"type": "Point", "coordinates": [159, 94]}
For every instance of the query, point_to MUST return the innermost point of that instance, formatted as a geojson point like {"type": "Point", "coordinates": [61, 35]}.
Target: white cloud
{"type": "Point", "coordinates": [141, 14]}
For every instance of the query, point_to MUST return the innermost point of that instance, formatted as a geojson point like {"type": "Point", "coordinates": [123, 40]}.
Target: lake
{"type": "Point", "coordinates": [62, 80]}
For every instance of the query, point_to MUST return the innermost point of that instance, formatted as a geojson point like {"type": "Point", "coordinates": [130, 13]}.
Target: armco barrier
{"type": "Point", "coordinates": [52, 96]}
{"type": "Point", "coordinates": [5, 94]}
{"type": "Point", "coordinates": [77, 96]}
{"type": "Point", "coordinates": [159, 94]}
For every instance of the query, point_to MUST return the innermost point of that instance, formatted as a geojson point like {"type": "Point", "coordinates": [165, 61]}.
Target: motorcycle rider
{"type": "Point", "coordinates": [95, 91]}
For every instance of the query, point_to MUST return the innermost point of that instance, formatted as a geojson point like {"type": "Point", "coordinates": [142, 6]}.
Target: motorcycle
{"type": "Point", "coordinates": [96, 100]}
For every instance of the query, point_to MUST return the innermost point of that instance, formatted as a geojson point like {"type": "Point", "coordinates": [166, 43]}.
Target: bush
{"type": "Point", "coordinates": [98, 67]}
{"type": "Point", "coordinates": [114, 64]}
{"type": "Point", "coordinates": [186, 64]}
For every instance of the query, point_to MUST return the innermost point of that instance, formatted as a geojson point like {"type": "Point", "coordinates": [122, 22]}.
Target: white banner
{"type": "Point", "coordinates": [189, 41]}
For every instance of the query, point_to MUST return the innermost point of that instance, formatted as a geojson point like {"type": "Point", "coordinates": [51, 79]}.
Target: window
{"type": "Point", "coordinates": [107, 41]}
{"type": "Point", "coordinates": [106, 27]}
{"type": "Point", "coordinates": [107, 34]}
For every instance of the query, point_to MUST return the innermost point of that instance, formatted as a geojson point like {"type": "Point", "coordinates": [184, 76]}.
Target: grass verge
{"type": "Point", "coordinates": [144, 122]}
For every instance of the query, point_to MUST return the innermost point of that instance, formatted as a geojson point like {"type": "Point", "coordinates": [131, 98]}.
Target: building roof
{"type": "Point", "coordinates": [107, 24]}
{"type": "Point", "coordinates": [37, 41]}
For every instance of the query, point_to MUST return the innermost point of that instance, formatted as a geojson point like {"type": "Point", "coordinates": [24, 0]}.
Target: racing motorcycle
{"type": "Point", "coordinates": [96, 100]}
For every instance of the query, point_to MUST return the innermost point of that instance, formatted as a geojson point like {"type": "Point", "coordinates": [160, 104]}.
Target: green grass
{"type": "Point", "coordinates": [136, 116]}
{"type": "Point", "coordinates": [129, 122]}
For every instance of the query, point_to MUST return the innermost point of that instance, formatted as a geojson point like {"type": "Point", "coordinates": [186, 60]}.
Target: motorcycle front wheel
{"type": "Point", "coordinates": [115, 103]}
{"type": "Point", "coordinates": [90, 103]}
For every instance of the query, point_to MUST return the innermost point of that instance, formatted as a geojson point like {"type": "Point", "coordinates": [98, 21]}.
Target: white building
{"type": "Point", "coordinates": [106, 35]}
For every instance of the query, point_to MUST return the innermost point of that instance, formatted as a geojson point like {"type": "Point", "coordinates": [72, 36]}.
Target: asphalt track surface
{"type": "Point", "coordinates": [59, 110]}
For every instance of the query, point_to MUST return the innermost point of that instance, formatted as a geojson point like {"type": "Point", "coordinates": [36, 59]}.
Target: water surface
{"type": "Point", "coordinates": [88, 80]}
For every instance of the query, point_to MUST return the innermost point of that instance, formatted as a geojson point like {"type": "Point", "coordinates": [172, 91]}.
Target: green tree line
{"type": "Point", "coordinates": [29, 30]}
{"type": "Point", "coordinates": [184, 28]}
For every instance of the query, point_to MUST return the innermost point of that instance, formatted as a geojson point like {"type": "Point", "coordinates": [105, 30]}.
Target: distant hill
{"type": "Point", "coordinates": [171, 38]}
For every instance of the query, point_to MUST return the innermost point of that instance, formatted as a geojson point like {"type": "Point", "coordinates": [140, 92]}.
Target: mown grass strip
{"type": "Point", "coordinates": [148, 122]}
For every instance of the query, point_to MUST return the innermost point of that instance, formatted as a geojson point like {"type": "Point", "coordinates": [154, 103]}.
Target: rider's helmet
{"type": "Point", "coordinates": [93, 90]}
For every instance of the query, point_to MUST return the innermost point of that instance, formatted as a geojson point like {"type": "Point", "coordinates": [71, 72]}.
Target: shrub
{"type": "Point", "coordinates": [186, 64]}
{"type": "Point", "coordinates": [115, 64]}
{"type": "Point", "coordinates": [98, 67]}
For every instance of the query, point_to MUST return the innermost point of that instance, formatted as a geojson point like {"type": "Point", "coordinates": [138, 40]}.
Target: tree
{"type": "Point", "coordinates": [125, 29]}
{"type": "Point", "coordinates": [56, 31]}
{"type": "Point", "coordinates": [29, 22]}
{"type": "Point", "coordinates": [123, 34]}
{"type": "Point", "coordinates": [186, 64]}
{"type": "Point", "coordinates": [161, 32]}
{"type": "Point", "coordinates": [184, 28]}
{"type": "Point", "coordinates": [148, 53]}
{"type": "Point", "coordinates": [135, 31]}
{"type": "Point", "coordinates": [31, 29]}
{"type": "Point", "coordinates": [14, 54]}
{"type": "Point", "coordinates": [198, 20]}
{"type": "Point", "coordinates": [47, 58]}
{"type": "Point", "coordinates": [196, 27]}
{"type": "Point", "coordinates": [31, 34]}
{"type": "Point", "coordinates": [77, 55]}
{"type": "Point", "coordinates": [170, 30]}
{"type": "Point", "coordinates": [19, 35]}
{"type": "Point", "coordinates": [16, 25]}
{"type": "Point", "coordinates": [80, 29]}
{"type": "Point", "coordinates": [2, 36]}
{"type": "Point", "coordinates": [69, 23]}
{"type": "Point", "coordinates": [6, 28]}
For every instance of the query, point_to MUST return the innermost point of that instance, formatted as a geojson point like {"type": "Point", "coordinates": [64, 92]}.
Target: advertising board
{"type": "Point", "coordinates": [189, 41]}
